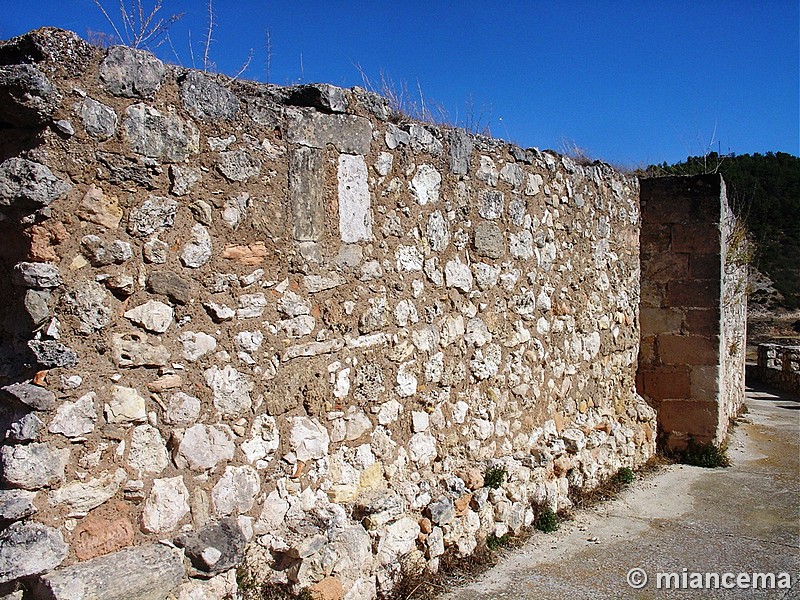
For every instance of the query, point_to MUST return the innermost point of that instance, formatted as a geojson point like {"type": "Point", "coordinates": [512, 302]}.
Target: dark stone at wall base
{"type": "Point", "coordinates": [216, 547]}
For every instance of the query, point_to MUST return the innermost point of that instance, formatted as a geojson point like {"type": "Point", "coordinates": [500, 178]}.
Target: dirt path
{"type": "Point", "coordinates": [744, 519]}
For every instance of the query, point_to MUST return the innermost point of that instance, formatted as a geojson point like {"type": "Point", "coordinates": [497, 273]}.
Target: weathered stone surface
{"type": "Point", "coordinates": [355, 215]}
{"type": "Point", "coordinates": [171, 285]}
{"type": "Point", "coordinates": [306, 193]}
{"type": "Point", "coordinates": [422, 448]}
{"type": "Point", "coordinates": [37, 275]}
{"type": "Point", "coordinates": [131, 73]}
{"type": "Point", "coordinates": [425, 184]}
{"type": "Point", "coordinates": [231, 390]}
{"type": "Point", "coordinates": [99, 120]}
{"type": "Point", "coordinates": [34, 396]}
{"type": "Point", "coordinates": [182, 409]}
{"type": "Point", "coordinates": [97, 535]}
{"type": "Point", "coordinates": [323, 96]}
{"type": "Point", "coordinates": [349, 133]}
{"type": "Point", "coordinates": [458, 275]}
{"type": "Point", "coordinates": [75, 419]}
{"type": "Point", "coordinates": [166, 137]}
{"type": "Point", "coordinates": [126, 405]}
{"type": "Point", "coordinates": [252, 254]}
{"type": "Point", "coordinates": [442, 511]}
{"type": "Point", "coordinates": [33, 466]}
{"type": "Point", "coordinates": [487, 171]}
{"type": "Point", "coordinates": [167, 504]}
{"type": "Point", "coordinates": [100, 254]}
{"type": "Point", "coordinates": [203, 446]}
{"type": "Point", "coordinates": [154, 214]}
{"type": "Point", "coordinates": [52, 355]}
{"type": "Point", "coordinates": [183, 180]}
{"type": "Point", "coordinates": [148, 452]}
{"type": "Point", "coordinates": [224, 536]}
{"type": "Point", "coordinates": [147, 572]}
{"type": "Point", "coordinates": [236, 490]}
{"type": "Point", "coordinates": [239, 165]}
{"type": "Point", "coordinates": [89, 302]}
{"type": "Point", "coordinates": [155, 251]}
{"type": "Point", "coordinates": [521, 245]}
{"type": "Point", "coordinates": [251, 306]}
{"type": "Point", "coordinates": [399, 538]}
{"type": "Point", "coordinates": [206, 99]}
{"type": "Point", "coordinates": [437, 231]}
{"type": "Point", "coordinates": [460, 151]}
{"type": "Point", "coordinates": [134, 350]}
{"type": "Point", "coordinates": [488, 240]}
{"type": "Point", "coordinates": [264, 441]}
{"type": "Point", "coordinates": [198, 251]}
{"type": "Point", "coordinates": [29, 98]}
{"type": "Point", "coordinates": [29, 548]}
{"type": "Point", "coordinates": [16, 504]}
{"type": "Point", "coordinates": [24, 428]}
{"type": "Point", "coordinates": [491, 204]}
{"type": "Point", "coordinates": [196, 344]}
{"type": "Point", "coordinates": [153, 315]}
{"type": "Point", "coordinates": [309, 438]}
{"type": "Point", "coordinates": [422, 140]}
{"type": "Point", "coordinates": [80, 497]}
{"type": "Point", "coordinates": [37, 305]}
{"type": "Point", "coordinates": [28, 185]}
{"type": "Point", "coordinates": [219, 312]}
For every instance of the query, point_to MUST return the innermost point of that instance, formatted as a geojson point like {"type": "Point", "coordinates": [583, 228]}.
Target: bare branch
{"type": "Point", "coordinates": [110, 21]}
{"type": "Point", "coordinates": [206, 63]}
{"type": "Point", "coordinates": [245, 65]}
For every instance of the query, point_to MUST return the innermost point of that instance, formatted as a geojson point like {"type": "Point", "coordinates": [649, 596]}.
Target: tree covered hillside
{"type": "Point", "coordinates": [764, 190]}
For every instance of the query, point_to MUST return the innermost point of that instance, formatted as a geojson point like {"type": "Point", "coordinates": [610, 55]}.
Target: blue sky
{"type": "Point", "coordinates": [631, 82]}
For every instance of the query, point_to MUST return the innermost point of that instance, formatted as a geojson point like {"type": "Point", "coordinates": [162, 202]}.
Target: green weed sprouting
{"type": "Point", "coordinates": [547, 521]}
{"type": "Point", "coordinates": [495, 543]}
{"type": "Point", "coordinates": [494, 476]}
{"type": "Point", "coordinates": [625, 475]}
{"type": "Point", "coordinates": [707, 455]}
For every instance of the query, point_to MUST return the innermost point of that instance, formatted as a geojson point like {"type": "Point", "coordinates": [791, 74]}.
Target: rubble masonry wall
{"type": "Point", "coordinates": [289, 324]}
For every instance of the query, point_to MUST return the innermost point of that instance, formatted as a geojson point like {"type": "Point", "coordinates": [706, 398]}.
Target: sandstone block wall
{"type": "Point", "coordinates": [693, 307]}
{"type": "Point", "coordinates": [288, 325]}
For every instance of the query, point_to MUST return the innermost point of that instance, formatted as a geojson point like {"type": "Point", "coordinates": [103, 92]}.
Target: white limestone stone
{"type": "Point", "coordinates": [167, 504]}
{"type": "Point", "coordinates": [309, 439]}
{"type": "Point", "coordinates": [153, 315]}
{"type": "Point", "coordinates": [425, 184]}
{"type": "Point", "coordinates": [355, 213]}
{"type": "Point", "coordinates": [236, 490]}
{"type": "Point", "coordinates": [196, 344]}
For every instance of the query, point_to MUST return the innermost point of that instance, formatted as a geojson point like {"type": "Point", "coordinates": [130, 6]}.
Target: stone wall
{"type": "Point", "coordinates": [778, 365]}
{"type": "Point", "coordinates": [289, 325]}
{"type": "Point", "coordinates": [693, 307]}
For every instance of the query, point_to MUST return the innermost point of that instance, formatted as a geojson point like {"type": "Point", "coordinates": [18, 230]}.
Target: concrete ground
{"type": "Point", "coordinates": [743, 519]}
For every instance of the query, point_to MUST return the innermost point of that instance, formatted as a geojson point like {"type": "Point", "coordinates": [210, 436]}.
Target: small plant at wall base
{"type": "Point", "coordinates": [547, 521]}
{"type": "Point", "coordinates": [707, 455]}
{"type": "Point", "coordinates": [495, 543]}
{"type": "Point", "coordinates": [494, 476]}
{"type": "Point", "coordinates": [625, 475]}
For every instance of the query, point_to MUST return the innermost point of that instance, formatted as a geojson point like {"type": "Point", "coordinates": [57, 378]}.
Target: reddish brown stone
{"type": "Point", "coordinates": [673, 384]}
{"type": "Point", "coordinates": [425, 525]}
{"type": "Point", "coordinates": [655, 237]}
{"type": "Point", "coordinates": [680, 419]}
{"type": "Point", "coordinates": [97, 535]}
{"type": "Point", "coordinates": [700, 238]}
{"type": "Point", "coordinates": [688, 349]}
{"type": "Point", "coordinates": [43, 238]}
{"type": "Point", "coordinates": [656, 321]}
{"type": "Point", "coordinates": [462, 504]}
{"type": "Point", "coordinates": [705, 266]}
{"type": "Point", "coordinates": [699, 293]}
{"type": "Point", "coordinates": [254, 254]}
{"type": "Point", "coordinates": [702, 321]}
{"type": "Point", "coordinates": [665, 266]}
{"type": "Point", "coordinates": [329, 588]}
